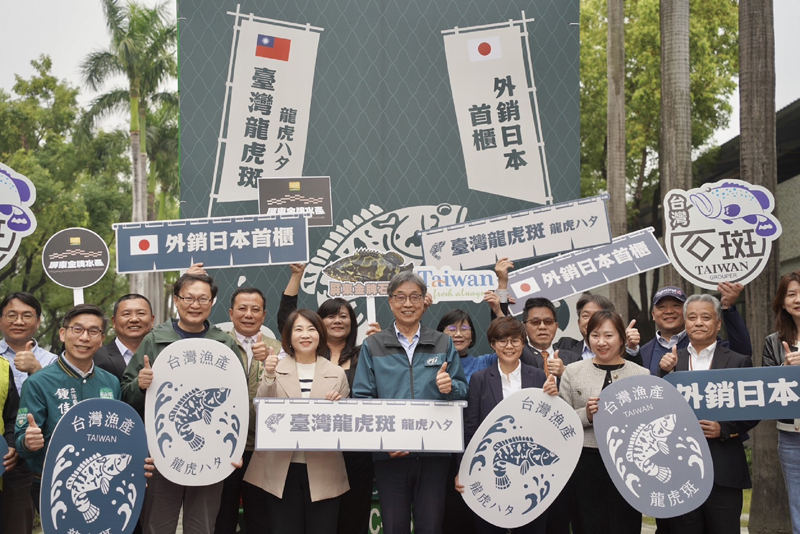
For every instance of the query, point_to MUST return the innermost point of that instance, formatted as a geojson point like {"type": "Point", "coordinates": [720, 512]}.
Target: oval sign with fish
{"type": "Point", "coordinates": [653, 446]}
{"type": "Point", "coordinates": [720, 232]}
{"type": "Point", "coordinates": [520, 458]}
{"type": "Point", "coordinates": [197, 412]}
{"type": "Point", "coordinates": [93, 479]}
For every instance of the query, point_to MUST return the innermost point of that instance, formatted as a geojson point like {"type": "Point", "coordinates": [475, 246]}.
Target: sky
{"type": "Point", "coordinates": [69, 30]}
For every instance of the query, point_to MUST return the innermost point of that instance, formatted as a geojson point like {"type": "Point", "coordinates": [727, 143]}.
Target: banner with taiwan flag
{"type": "Point", "coordinates": [267, 105]}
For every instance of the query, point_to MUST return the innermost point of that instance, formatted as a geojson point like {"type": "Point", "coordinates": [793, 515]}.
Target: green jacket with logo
{"type": "Point", "coordinates": [48, 394]}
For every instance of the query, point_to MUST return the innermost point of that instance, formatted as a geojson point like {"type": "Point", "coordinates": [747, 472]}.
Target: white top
{"type": "Point", "coordinates": [511, 382]}
{"type": "Point", "coordinates": [702, 361]}
{"type": "Point", "coordinates": [125, 351]}
{"type": "Point", "coordinates": [407, 345]}
{"type": "Point", "coordinates": [305, 373]}
{"type": "Point", "coordinates": [671, 342]}
{"type": "Point", "coordinates": [247, 343]}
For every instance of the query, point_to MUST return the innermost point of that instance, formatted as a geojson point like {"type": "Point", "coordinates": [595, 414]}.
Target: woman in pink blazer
{"type": "Point", "coordinates": [302, 488]}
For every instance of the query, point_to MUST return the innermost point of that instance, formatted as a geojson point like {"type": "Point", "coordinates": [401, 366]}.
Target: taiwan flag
{"type": "Point", "coordinates": [273, 47]}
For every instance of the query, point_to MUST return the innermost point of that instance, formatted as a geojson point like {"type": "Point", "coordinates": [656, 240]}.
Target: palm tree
{"type": "Point", "coordinates": [143, 50]}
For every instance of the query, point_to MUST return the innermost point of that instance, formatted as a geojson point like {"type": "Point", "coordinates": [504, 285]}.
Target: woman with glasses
{"type": "Point", "coordinates": [491, 385]}
{"type": "Point", "coordinates": [599, 507]}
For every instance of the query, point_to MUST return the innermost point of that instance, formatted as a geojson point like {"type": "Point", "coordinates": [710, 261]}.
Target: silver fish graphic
{"type": "Point", "coordinates": [95, 472]}
{"type": "Point", "coordinates": [192, 407]}
{"type": "Point", "coordinates": [646, 441]}
{"type": "Point", "coordinates": [521, 451]}
{"type": "Point", "coordinates": [732, 201]}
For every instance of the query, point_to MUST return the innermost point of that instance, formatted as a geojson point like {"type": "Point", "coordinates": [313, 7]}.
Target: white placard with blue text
{"type": "Point", "coordinates": [446, 285]}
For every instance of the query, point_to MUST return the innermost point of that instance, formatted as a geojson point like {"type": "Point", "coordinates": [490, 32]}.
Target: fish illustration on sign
{"type": "Point", "coordinates": [95, 472]}
{"type": "Point", "coordinates": [731, 201]}
{"type": "Point", "coordinates": [646, 441]}
{"type": "Point", "coordinates": [192, 407]}
{"type": "Point", "coordinates": [521, 451]}
{"type": "Point", "coordinates": [17, 195]}
{"type": "Point", "coordinates": [368, 266]}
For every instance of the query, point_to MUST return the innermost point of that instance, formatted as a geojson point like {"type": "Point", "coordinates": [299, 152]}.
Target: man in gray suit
{"type": "Point", "coordinates": [132, 320]}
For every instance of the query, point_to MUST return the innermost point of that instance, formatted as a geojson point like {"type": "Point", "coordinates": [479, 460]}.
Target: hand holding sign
{"type": "Point", "coordinates": [554, 365]}
{"type": "Point", "coordinates": [145, 374]}
{"type": "Point", "coordinates": [10, 459]}
{"type": "Point", "coordinates": [333, 395]}
{"type": "Point", "coordinates": [789, 357]}
{"type": "Point", "coordinates": [669, 360]}
{"type": "Point", "coordinates": [493, 300]}
{"type": "Point", "coordinates": [711, 429]}
{"type": "Point", "coordinates": [591, 408]}
{"type": "Point", "coordinates": [443, 380]}
{"type": "Point", "coordinates": [259, 349]}
{"type": "Point", "coordinates": [34, 440]}
{"type": "Point", "coordinates": [632, 335]}
{"type": "Point", "coordinates": [270, 363]}
{"type": "Point", "coordinates": [550, 387]}
{"type": "Point", "coordinates": [459, 487]}
{"type": "Point", "coordinates": [25, 361]}
{"type": "Point", "coordinates": [374, 328]}
{"type": "Point", "coordinates": [729, 293]}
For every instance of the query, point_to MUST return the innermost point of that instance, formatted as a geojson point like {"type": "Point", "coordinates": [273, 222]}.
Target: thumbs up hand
{"type": "Point", "coordinates": [632, 335]}
{"type": "Point", "coordinates": [145, 374]}
{"type": "Point", "coordinates": [669, 360]}
{"type": "Point", "coordinates": [789, 357]}
{"type": "Point", "coordinates": [443, 380]}
{"type": "Point", "coordinates": [259, 349]}
{"type": "Point", "coordinates": [554, 365]}
{"type": "Point", "coordinates": [25, 361]}
{"type": "Point", "coordinates": [551, 387]}
{"type": "Point", "coordinates": [270, 363]}
{"type": "Point", "coordinates": [34, 440]}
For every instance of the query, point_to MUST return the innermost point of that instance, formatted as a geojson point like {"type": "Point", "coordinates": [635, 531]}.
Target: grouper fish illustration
{"type": "Point", "coordinates": [192, 407]}
{"type": "Point", "coordinates": [521, 451]}
{"type": "Point", "coordinates": [646, 441]}
{"type": "Point", "coordinates": [95, 472]}
{"type": "Point", "coordinates": [368, 266]}
{"type": "Point", "coordinates": [14, 193]}
{"type": "Point", "coordinates": [732, 201]}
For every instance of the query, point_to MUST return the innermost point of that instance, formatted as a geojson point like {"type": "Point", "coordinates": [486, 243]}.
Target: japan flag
{"type": "Point", "coordinates": [144, 244]}
{"type": "Point", "coordinates": [524, 288]}
{"type": "Point", "coordinates": [485, 48]}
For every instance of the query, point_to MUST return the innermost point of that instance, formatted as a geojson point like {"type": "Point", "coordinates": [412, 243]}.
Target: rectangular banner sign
{"type": "Point", "coordinates": [359, 425]}
{"type": "Point", "coordinates": [583, 270]}
{"type": "Point", "coordinates": [268, 114]}
{"type": "Point", "coordinates": [743, 394]}
{"type": "Point", "coordinates": [217, 242]}
{"type": "Point", "coordinates": [457, 286]}
{"type": "Point", "coordinates": [492, 100]}
{"type": "Point", "coordinates": [309, 196]}
{"type": "Point", "coordinates": [521, 235]}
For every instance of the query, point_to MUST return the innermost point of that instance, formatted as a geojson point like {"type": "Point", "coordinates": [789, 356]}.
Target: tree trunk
{"type": "Point", "coordinates": [769, 511]}
{"type": "Point", "coordinates": [675, 155]}
{"type": "Point", "coordinates": [615, 66]}
{"type": "Point", "coordinates": [138, 281]}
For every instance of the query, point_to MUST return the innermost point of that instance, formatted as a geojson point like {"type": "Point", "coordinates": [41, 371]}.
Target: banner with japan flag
{"type": "Point", "coordinates": [491, 77]}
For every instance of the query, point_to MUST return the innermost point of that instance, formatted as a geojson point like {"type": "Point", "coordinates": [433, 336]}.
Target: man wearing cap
{"type": "Point", "coordinates": [668, 316]}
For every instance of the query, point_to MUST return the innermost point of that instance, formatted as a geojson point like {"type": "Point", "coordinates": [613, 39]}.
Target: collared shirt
{"type": "Point", "coordinates": [247, 343]}
{"type": "Point", "coordinates": [407, 345]}
{"type": "Point", "coordinates": [702, 361]}
{"type": "Point", "coordinates": [125, 351]}
{"type": "Point", "coordinates": [586, 353]}
{"type": "Point", "coordinates": [42, 356]}
{"type": "Point", "coordinates": [75, 369]}
{"type": "Point", "coordinates": [672, 341]}
{"type": "Point", "coordinates": [511, 382]}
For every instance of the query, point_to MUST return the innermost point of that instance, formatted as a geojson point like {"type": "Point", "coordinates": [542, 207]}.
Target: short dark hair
{"type": "Point", "coordinates": [602, 302]}
{"type": "Point", "coordinates": [505, 327]}
{"type": "Point", "coordinates": [190, 278]}
{"type": "Point", "coordinates": [454, 317]}
{"type": "Point", "coordinates": [249, 291]}
{"type": "Point", "coordinates": [538, 302]}
{"type": "Point", "coordinates": [84, 309]}
{"type": "Point", "coordinates": [25, 298]}
{"type": "Point", "coordinates": [313, 318]}
{"type": "Point", "coordinates": [608, 315]}
{"type": "Point", "coordinates": [332, 307]}
{"type": "Point", "coordinates": [131, 296]}
{"type": "Point", "coordinates": [784, 323]}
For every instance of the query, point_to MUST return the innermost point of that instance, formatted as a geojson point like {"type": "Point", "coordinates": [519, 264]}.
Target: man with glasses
{"type": "Point", "coordinates": [20, 317]}
{"type": "Point", "coordinates": [51, 392]}
{"type": "Point", "coordinates": [132, 319]}
{"type": "Point", "coordinates": [193, 295]}
{"type": "Point", "coordinates": [410, 361]}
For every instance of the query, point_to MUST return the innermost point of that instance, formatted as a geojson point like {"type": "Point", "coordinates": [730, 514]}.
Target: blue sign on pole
{"type": "Point", "coordinates": [744, 394]}
{"type": "Point", "coordinates": [216, 242]}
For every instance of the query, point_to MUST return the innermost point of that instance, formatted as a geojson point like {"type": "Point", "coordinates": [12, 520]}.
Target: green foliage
{"type": "Point", "coordinates": [713, 50]}
{"type": "Point", "coordinates": [77, 184]}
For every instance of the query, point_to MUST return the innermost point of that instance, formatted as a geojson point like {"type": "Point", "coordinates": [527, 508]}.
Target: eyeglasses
{"type": "Point", "coordinates": [452, 329]}
{"type": "Point", "coordinates": [515, 342]}
{"type": "Point", "coordinates": [79, 330]}
{"type": "Point", "coordinates": [415, 298]}
{"type": "Point", "coordinates": [202, 301]}
{"type": "Point", "coordinates": [27, 317]}
{"type": "Point", "coordinates": [537, 322]}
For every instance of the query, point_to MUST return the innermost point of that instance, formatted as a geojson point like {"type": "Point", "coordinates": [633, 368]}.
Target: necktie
{"type": "Point", "coordinates": [545, 354]}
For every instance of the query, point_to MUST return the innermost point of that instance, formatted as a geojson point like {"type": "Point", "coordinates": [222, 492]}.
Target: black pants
{"type": "Point", "coordinates": [412, 480]}
{"type": "Point", "coordinates": [459, 518]}
{"type": "Point", "coordinates": [18, 500]}
{"type": "Point", "coordinates": [355, 504]}
{"type": "Point", "coordinates": [235, 489]}
{"type": "Point", "coordinates": [295, 513]}
{"type": "Point", "coordinates": [718, 515]}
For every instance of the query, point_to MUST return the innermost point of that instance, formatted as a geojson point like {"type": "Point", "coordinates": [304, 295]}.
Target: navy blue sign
{"type": "Point", "coordinates": [3, 452]}
{"type": "Point", "coordinates": [741, 394]}
{"type": "Point", "coordinates": [653, 447]}
{"type": "Point", "coordinates": [217, 242]}
{"type": "Point", "coordinates": [93, 480]}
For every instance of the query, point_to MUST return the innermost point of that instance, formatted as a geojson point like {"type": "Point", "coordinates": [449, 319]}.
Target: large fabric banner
{"type": "Point", "coordinates": [492, 100]}
{"type": "Point", "coordinates": [268, 113]}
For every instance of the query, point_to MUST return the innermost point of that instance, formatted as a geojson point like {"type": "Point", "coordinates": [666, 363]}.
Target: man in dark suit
{"type": "Point", "coordinates": [132, 320]}
{"type": "Point", "coordinates": [541, 327]}
{"type": "Point", "coordinates": [721, 511]}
